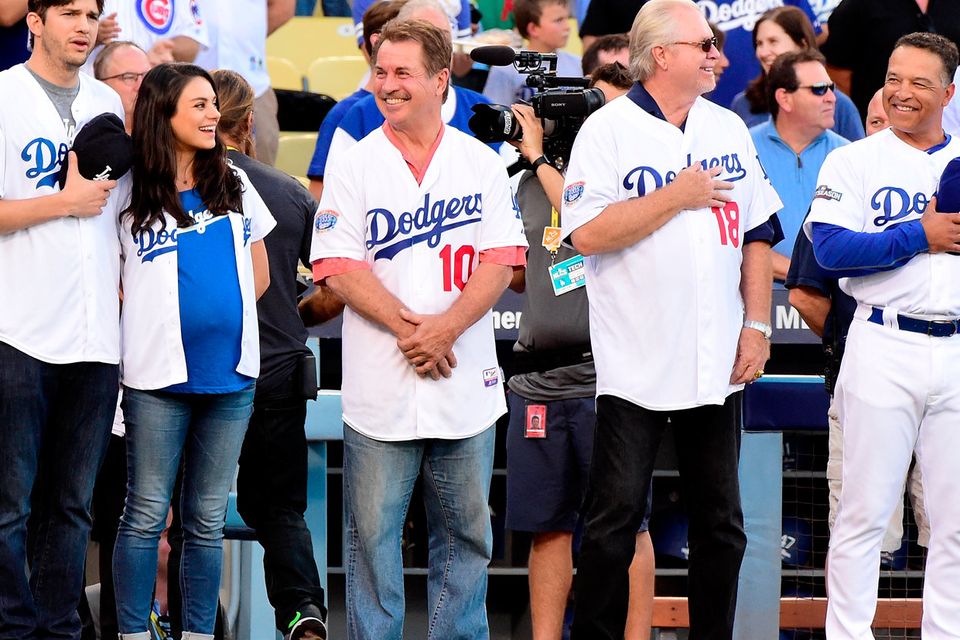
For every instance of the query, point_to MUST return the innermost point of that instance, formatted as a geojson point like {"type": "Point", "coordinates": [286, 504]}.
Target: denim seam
{"type": "Point", "coordinates": [450, 550]}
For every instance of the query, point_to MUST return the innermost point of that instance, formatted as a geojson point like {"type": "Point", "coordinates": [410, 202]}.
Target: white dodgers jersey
{"type": "Point", "coordinates": [422, 242]}
{"type": "Point", "coordinates": [870, 186]}
{"type": "Point", "coordinates": [666, 312]}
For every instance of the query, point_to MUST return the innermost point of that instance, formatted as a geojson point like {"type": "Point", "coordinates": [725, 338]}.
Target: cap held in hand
{"type": "Point", "coordinates": [104, 150]}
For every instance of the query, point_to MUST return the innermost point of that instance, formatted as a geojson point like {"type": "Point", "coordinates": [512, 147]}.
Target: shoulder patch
{"type": "Point", "coordinates": [325, 221]}
{"type": "Point", "coordinates": [826, 193]}
{"type": "Point", "coordinates": [573, 192]}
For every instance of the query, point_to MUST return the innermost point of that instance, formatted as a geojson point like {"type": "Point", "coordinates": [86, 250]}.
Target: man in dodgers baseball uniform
{"type": "Point", "coordinates": [666, 198]}
{"type": "Point", "coordinates": [59, 322]}
{"type": "Point", "coordinates": [874, 224]}
{"type": "Point", "coordinates": [418, 233]}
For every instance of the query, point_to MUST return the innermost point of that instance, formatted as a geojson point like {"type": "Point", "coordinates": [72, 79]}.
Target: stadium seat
{"type": "Point", "coordinates": [294, 152]}
{"type": "Point", "coordinates": [336, 76]}
{"type": "Point", "coordinates": [304, 39]}
{"type": "Point", "coordinates": [284, 74]}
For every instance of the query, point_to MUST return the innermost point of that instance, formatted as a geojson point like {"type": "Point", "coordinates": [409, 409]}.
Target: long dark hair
{"type": "Point", "coordinates": [155, 159]}
{"type": "Point", "coordinates": [797, 26]}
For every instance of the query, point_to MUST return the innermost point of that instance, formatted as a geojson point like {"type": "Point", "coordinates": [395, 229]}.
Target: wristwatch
{"type": "Point", "coordinates": [539, 161]}
{"type": "Point", "coordinates": [762, 327]}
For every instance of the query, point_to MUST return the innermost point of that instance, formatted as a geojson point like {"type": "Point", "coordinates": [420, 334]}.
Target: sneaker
{"type": "Point", "coordinates": [306, 626]}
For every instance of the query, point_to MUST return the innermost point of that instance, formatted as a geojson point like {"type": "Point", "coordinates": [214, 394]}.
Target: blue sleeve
{"type": "Point", "coordinates": [804, 270]}
{"type": "Point", "coordinates": [849, 254]}
{"type": "Point", "coordinates": [319, 160]}
{"type": "Point", "coordinates": [359, 8]}
{"type": "Point", "coordinates": [848, 122]}
{"type": "Point", "coordinates": [463, 20]}
{"type": "Point", "coordinates": [804, 5]}
{"type": "Point", "coordinates": [769, 232]}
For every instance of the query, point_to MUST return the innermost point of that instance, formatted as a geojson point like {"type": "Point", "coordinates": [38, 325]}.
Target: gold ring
{"type": "Point", "coordinates": [758, 374]}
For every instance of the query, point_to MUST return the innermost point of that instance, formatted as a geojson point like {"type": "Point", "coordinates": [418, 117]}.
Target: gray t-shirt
{"type": "Point", "coordinates": [62, 98]}
{"type": "Point", "coordinates": [549, 322]}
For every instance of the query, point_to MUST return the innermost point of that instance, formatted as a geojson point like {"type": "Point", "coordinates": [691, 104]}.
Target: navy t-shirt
{"type": "Point", "coordinates": [13, 44]}
{"type": "Point", "coordinates": [211, 309]}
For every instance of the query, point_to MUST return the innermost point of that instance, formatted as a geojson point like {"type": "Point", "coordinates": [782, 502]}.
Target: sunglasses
{"type": "Point", "coordinates": [705, 45]}
{"type": "Point", "coordinates": [820, 88]}
{"type": "Point", "coordinates": [126, 78]}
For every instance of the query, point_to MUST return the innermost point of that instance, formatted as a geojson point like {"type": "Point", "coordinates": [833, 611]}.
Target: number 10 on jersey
{"type": "Point", "coordinates": [457, 266]}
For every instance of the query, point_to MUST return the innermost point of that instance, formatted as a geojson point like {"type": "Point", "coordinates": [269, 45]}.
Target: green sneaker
{"type": "Point", "coordinates": [306, 625]}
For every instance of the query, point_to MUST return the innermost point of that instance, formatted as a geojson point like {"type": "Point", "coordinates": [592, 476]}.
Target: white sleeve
{"type": "Point", "coordinates": [838, 199]}
{"type": "Point", "coordinates": [3, 164]}
{"type": "Point", "coordinates": [339, 229]}
{"type": "Point", "coordinates": [189, 22]}
{"type": "Point", "coordinates": [500, 222]}
{"type": "Point", "coordinates": [592, 182]}
{"type": "Point", "coordinates": [764, 199]}
{"type": "Point", "coordinates": [262, 221]}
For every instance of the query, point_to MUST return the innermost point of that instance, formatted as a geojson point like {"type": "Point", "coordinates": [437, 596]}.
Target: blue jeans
{"type": "Point", "coordinates": [54, 425]}
{"type": "Point", "coordinates": [378, 479]}
{"type": "Point", "coordinates": [206, 432]}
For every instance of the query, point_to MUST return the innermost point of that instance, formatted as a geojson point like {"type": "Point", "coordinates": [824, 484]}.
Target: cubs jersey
{"type": "Point", "coordinates": [422, 241]}
{"type": "Point", "coordinates": [666, 312]}
{"type": "Point", "coordinates": [143, 22]}
{"type": "Point", "coordinates": [870, 186]}
{"type": "Point", "coordinates": [59, 280]}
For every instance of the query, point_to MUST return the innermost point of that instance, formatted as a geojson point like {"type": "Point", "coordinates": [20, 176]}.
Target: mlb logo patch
{"type": "Point", "coordinates": [157, 15]}
{"type": "Point", "coordinates": [491, 377]}
{"type": "Point", "coordinates": [325, 221]}
{"type": "Point", "coordinates": [573, 192]}
{"type": "Point", "coordinates": [195, 12]}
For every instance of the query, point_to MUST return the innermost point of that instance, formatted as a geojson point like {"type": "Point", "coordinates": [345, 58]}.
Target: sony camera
{"type": "Point", "coordinates": [561, 103]}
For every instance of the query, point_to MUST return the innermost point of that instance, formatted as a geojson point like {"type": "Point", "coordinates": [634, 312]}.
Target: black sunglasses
{"type": "Point", "coordinates": [820, 88]}
{"type": "Point", "coordinates": [705, 44]}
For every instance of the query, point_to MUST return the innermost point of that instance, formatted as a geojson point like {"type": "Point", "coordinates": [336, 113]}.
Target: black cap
{"type": "Point", "coordinates": [104, 150]}
{"type": "Point", "coordinates": [948, 193]}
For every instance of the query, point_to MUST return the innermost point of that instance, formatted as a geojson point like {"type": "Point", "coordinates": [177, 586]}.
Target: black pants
{"type": "Point", "coordinates": [271, 499]}
{"type": "Point", "coordinates": [628, 436]}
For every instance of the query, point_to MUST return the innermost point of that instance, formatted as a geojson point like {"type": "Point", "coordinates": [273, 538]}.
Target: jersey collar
{"type": "Point", "coordinates": [418, 171]}
{"type": "Point", "coordinates": [932, 150]}
{"type": "Point", "coordinates": [642, 98]}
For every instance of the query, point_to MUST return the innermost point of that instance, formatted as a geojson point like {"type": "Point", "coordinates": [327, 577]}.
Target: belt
{"type": "Point", "coordinates": [933, 328]}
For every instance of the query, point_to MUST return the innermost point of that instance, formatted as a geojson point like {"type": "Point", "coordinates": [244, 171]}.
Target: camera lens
{"type": "Point", "coordinates": [494, 123]}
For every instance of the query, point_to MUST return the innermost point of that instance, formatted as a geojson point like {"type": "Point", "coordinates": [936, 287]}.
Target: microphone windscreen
{"type": "Point", "coordinates": [495, 55]}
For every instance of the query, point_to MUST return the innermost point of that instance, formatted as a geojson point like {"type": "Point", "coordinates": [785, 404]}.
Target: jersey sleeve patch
{"type": "Point", "coordinates": [325, 221]}
{"type": "Point", "coordinates": [824, 192]}
{"type": "Point", "coordinates": [573, 192]}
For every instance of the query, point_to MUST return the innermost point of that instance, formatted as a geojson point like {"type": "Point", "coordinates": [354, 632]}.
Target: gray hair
{"type": "Point", "coordinates": [654, 26]}
{"type": "Point", "coordinates": [412, 7]}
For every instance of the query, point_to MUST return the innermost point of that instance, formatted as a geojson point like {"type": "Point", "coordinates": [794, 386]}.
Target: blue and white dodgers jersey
{"type": "Point", "coordinates": [872, 185]}
{"type": "Point", "coordinates": [666, 313]}
{"type": "Point", "coordinates": [422, 242]}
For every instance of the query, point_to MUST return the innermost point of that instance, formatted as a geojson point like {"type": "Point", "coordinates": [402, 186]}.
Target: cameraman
{"type": "Point", "coordinates": [552, 417]}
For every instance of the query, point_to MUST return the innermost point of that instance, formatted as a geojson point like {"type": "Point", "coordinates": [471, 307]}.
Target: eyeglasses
{"type": "Point", "coordinates": [126, 78]}
{"type": "Point", "coordinates": [820, 88]}
{"type": "Point", "coordinates": [705, 45]}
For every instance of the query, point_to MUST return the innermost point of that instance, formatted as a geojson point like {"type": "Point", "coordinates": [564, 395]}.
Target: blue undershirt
{"type": "Point", "coordinates": [211, 309]}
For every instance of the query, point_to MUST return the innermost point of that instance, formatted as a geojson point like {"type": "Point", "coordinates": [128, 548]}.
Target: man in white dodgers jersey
{"type": "Point", "coordinates": [418, 232]}
{"type": "Point", "coordinates": [874, 224]}
{"type": "Point", "coordinates": [666, 198]}
{"type": "Point", "coordinates": [59, 321]}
